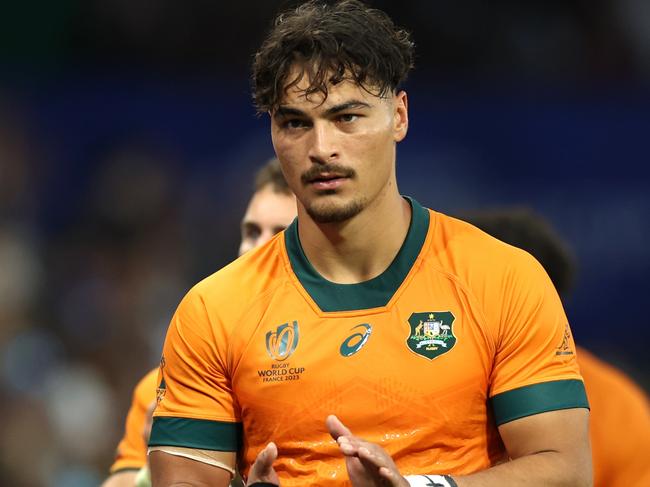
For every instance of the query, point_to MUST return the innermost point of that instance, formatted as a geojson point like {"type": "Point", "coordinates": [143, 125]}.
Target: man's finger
{"type": "Point", "coordinates": [347, 447]}
{"type": "Point", "coordinates": [336, 427]}
{"type": "Point", "coordinates": [370, 458]}
{"type": "Point", "coordinates": [263, 465]}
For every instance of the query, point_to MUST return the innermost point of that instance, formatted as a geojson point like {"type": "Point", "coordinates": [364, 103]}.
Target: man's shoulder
{"type": "Point", "coordinates": [485, 268]}
{"type": "Point", "coordinates": [460, 247]}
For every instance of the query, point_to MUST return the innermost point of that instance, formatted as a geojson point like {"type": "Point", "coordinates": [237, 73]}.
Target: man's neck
{"type": "Point", "coordinates": [360, 248]}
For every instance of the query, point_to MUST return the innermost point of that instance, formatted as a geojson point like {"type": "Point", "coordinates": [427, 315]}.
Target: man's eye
{"type": "Point", "coordinates": [348, 117]}
{"type": "Point", "coordinates": [294, 123]}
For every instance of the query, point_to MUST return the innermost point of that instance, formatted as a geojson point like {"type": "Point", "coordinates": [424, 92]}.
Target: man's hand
{"type": "Point", "coordinates": [262, 469]}
{"type": "Point", "coordinates": [368, 464]}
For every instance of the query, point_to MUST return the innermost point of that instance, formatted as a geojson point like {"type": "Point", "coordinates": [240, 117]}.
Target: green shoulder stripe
{"type": "Point", "coordinates": [539, 398]}
{"type": "Point", "coordinates": [196, 433]}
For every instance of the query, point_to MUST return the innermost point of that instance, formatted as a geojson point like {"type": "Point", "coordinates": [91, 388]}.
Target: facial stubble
{"type": "Point", "coordinates": [333, 213]}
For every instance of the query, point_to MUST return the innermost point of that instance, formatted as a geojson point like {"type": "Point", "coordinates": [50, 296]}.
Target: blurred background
{"type": "Point", "coordinates": [128, 142]}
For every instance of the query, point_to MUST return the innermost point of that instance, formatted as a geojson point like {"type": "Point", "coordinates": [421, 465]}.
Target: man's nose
{"type": "Point", "coordinates": [323, 144]}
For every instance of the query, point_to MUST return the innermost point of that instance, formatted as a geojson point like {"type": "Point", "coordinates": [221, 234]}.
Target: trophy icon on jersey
{"type": "Point", "coordinates": [282, 342]}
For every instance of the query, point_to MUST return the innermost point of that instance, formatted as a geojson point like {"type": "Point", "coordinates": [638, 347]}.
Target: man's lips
{"type": "Point", "coordinates": [325, 181]}
{"type": "Point", "coordinates": [327, 177]}
{"type": "Point", "coordinates": [328, 183]}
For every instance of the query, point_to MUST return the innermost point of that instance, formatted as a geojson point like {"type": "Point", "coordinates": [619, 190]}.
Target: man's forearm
{"type": "Point", "coordinates": [544, 469]}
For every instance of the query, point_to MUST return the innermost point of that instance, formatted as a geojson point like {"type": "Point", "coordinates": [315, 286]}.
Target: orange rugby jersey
{"type": "Point", "coordinates": [132, 449]}
{"type": "Point", "coordinates": [460, 333]}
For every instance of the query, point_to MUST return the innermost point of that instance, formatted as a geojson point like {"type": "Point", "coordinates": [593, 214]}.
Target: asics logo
{"type": "Point", "coordinates": [356, 341]}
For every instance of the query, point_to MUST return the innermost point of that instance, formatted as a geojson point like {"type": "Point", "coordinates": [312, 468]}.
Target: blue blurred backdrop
{"type": "Point", "coordinates": [128, 141]}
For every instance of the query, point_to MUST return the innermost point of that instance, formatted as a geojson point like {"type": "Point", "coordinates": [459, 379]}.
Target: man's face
{"type": "Point", "coordinates": [338, 154]}
{"type": "Point", "coordinates": [268, 213]}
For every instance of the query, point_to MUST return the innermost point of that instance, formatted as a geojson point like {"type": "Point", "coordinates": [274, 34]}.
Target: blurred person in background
{"type": "Point", "coordinates": [620, 411]}
{"type": "Point", "coordinates": [270, 210]}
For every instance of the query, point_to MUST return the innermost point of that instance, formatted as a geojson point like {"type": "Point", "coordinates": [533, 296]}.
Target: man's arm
{"type": "Point", "coordinates": [176, 471]}
{"type": "Point", "coordinates": [172, 470]}
{"type": "Point", "coordinates": [196, 431]}
{"type": "Point", "coordinates": [547, 449]}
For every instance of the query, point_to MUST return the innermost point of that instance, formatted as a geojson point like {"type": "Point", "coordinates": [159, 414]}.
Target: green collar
{"type": "Point", "coordinates": [375, 293]}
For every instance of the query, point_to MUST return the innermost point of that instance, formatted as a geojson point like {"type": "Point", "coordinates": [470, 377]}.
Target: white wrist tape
{"type": "Point", "coordinates": [430, 481]}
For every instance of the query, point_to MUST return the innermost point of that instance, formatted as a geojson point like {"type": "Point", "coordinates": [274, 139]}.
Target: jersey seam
{"type": "Point", "coordinates": [468, 292]}
{"type": "Point", "coordinates": [494, 338]}
{"type": "Point", "coordinates": [244, 349]}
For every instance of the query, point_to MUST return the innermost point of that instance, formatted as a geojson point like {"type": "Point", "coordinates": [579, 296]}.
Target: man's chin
{"type": "Point", "coordinates": [332, 212]}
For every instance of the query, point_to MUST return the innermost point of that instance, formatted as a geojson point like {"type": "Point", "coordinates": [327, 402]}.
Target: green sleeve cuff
{"type": "Point", "coordinates": [539, 398]}
{"type": "Point", "coordinates": [201, 434]}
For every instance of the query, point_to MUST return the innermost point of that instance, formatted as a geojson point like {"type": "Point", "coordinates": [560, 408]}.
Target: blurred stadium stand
{"type": "Point", "coordinates": [128, 141]}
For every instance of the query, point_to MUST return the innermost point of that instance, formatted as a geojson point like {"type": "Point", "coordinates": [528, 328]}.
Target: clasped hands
{"type": "Point", "coordinates": [368, 464]}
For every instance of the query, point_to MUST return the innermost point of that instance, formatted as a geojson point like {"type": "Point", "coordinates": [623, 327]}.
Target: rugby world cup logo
{"type": "Point", "coordinates": [282, 342]}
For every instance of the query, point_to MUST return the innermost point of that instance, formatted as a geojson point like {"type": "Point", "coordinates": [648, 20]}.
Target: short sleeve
{"type": "Point", "coordinates": [132, 449]}
{"type": "Point", "coordinates": [535, 368]}
{"type": "Point", "coordinates": [196, 406]}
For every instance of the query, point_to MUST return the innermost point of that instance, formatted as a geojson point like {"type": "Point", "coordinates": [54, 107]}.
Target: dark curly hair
{"type": "Point", "coordinates": [330, 42]}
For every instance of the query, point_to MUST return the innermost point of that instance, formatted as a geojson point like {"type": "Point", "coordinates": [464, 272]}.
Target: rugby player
{"type": "Point", "coordinates": [374, 341]}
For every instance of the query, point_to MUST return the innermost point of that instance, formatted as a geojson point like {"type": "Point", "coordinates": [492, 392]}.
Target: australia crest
{"type": "Point", "coordinates": [432, 333]}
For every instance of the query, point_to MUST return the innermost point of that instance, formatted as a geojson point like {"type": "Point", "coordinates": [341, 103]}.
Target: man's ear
{"type": "Point", "coordinates": [401, 116]}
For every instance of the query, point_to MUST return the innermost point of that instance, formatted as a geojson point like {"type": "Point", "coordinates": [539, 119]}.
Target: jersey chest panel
{"type": "Point", "coordinates": [410, 377]}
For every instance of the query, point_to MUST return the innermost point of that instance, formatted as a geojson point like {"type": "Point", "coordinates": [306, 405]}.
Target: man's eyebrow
{"type": "Point", "coordinates": [284, 111]}
{"type": "Point", "coordinates": [348, 105]}
{"type": "Point", "coordinates": [287, 111]}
